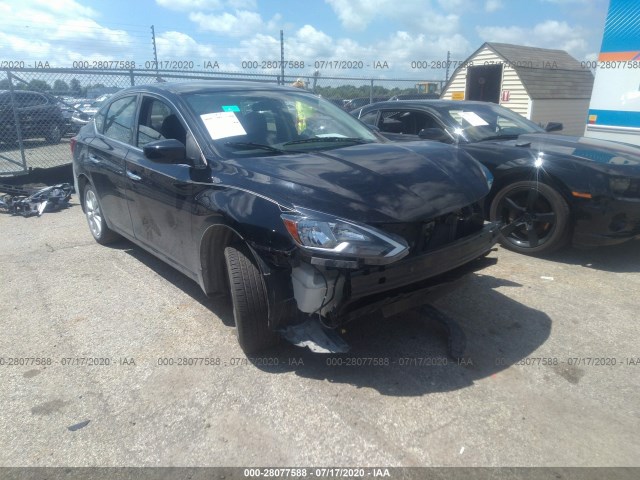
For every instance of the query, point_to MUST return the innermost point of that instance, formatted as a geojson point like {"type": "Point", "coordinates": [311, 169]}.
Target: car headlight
{"type": "Point", "coordinates": [317, 232]}
{"type": "Point", "coordinates": [619, 185]}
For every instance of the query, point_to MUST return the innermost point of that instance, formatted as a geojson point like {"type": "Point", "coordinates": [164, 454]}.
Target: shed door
{"type": "Point", "coordinates": [484, 83]}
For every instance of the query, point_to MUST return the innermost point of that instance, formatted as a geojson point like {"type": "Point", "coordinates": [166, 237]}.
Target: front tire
{"type": "Point", "coordinates": [95, 218]}
{"type": "Point", "coordinates": [535, 215]}
{"type": "Point", "coordinates": [249, 299]}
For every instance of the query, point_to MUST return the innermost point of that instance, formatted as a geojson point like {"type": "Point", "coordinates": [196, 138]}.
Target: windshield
{"type": "Point", "coordinates": [479, 122]}
{"type": "Point", "coordinates": [248, 123]}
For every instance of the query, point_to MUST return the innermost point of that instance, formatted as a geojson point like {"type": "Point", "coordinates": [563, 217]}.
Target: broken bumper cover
{"type": "Point", "coordinates": [417, 280]}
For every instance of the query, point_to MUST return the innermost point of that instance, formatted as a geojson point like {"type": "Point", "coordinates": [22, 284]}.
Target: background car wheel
{"type": "Point", "coordinates": [54, 134]}
{"type": "Point", "coordinates": [249, 299]}
{"type": "Point", "coordinates": [535, 215]}
{"type": "Point", "coordinates": [95, 218]}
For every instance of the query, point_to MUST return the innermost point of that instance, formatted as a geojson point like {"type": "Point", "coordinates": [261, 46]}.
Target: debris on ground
{"type": "Point", "coordinates": [28, 202]}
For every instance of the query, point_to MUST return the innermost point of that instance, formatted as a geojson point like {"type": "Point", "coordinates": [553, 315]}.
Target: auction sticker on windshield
{"type": "Point", "coordinates": [473, 118]}
{"type": "Point", "coordinates": [222, 124]}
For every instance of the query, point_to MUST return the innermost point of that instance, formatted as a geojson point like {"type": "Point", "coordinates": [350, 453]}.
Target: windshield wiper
{"type": "Point", "coordinates": [327, 139]}
{"type": "Point", "coordinates": [254, 146]}
{"type": "Point", "coordinates": [499, 137]}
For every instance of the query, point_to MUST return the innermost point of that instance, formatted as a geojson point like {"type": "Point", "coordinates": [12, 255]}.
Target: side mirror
{"type": "Point", "coordinates": [553, 127]}
{"type": "Point", "coordinates": [437, 134]}
{"type": "Point", "coordinates": [166, 151]}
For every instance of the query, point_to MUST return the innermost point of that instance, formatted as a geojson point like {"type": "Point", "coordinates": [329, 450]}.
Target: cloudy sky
{"type": "Point", "coordinates": [232, 31]}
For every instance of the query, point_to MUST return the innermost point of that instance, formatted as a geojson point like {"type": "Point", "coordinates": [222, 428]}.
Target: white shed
{"type": "Point", "coordinates": [540, 84]}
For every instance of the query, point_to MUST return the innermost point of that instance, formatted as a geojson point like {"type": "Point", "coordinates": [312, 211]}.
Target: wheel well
{"type": "Point", "coordinates": [214, 275]}
{"type": "Point", "coordinates": [526, 175]}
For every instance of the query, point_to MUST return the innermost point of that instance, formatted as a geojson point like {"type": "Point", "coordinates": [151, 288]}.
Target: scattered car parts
{"type": "Point", "coordinates": [30, 202]}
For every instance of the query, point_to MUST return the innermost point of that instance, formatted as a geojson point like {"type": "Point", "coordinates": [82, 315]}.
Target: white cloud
{"type": "Point", "coordinates": [241, 24]}
{"type": "Point", "coordinates": [63, 7]}
{"type": "Point", "coordinates": [309, 43]}
{"type": "Point", "coordinates": [25, 47]}
{"type": "Point", "coordinates": [415, 15]}
{"type": "Point", "coordinates": [515, 35]}
{"type": "Point", "coordinates": [60, 32]}
{"type": "Point", "coordinates": [242, 4]}
{"type": "Point", "coordinates": [355, 14]}
{"type": "Point", "coordinates": [180, 45]}
{"type": "Point", "coordinates": [493, 5]}
{"type": "Point", "coordinates": [458, 6]}
{"type": "Point", "coordinates": [190, 5]}
{"type": "Point", "coordinates": [207, 5]}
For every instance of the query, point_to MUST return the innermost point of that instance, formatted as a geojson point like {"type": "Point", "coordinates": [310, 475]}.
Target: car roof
{"type": "Point", "coordinates": [427, 103]}
{"type": "Point", "coordinates": [208, 86]}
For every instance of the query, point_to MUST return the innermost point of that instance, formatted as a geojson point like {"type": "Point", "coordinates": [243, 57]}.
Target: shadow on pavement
{"type": "Point", "coordinates": [621, 258]}
{"type": "Point", "coordinates": [42, 176]}
{"type": "Point", "coordinates": [219, 306]}
{"type": "Point", "coordinates": [405, 355]}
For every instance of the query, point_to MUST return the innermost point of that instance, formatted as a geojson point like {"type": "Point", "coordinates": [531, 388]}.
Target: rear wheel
{"type": "Point", "coordinates": [535, 215]}
{"type": "Point", "coordinates": [95, 218]}
{"type": "Point", "coordinates": [249, 299]}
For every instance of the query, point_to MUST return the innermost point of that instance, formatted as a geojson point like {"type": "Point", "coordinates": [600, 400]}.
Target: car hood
{"type": "Point", "coordinates": [602, 154]}
{"type": "Point", "coordinates": [374, 182]}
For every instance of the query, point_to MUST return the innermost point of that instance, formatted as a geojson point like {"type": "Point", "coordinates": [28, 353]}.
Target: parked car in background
{"type": "Point", "coordinates": [67, 109]}
{"type": "Point", "coordinates": [415, 96]}
{"type": "Point", "coordinates": [322, 225]}
{"type": "Point", "coordinates": [361, 101]}
{"type": "Point", "coordinates": [85, 111]}
{"type": "Point", "coordinates": [548, 188]}
{"type": "Point", "coordinates": [38, 114]}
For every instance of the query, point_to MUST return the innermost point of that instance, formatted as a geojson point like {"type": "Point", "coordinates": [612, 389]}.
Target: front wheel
{"type": "Point", "coordinates": [249, 299]}
{"type": "Point", "coordinates": [97, 224]}
{"type": "Point", "coordinates": [535, 215]}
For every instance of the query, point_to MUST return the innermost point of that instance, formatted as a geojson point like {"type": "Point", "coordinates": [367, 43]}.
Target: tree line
{"type": "Point", "coordinates": [351, 91]}
{"type": "Point", "coordinates": [73, 89]}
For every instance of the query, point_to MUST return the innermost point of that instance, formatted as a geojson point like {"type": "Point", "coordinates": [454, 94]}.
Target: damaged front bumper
{"type": "Point", "coordinates": [416, 280]}
{"type": "Point", "coordinates": [408, 283]}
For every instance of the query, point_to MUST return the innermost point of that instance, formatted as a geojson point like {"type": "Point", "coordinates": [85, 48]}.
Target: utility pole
{"type": "Point", "coordinates": [155, 52]}
{"type": "Point", "coordinates": [446, 75]}
{"type": "Point", "coordinates": [282, 55]}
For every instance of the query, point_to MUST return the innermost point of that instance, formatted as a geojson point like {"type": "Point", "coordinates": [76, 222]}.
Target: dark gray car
{"type": "Point", "coordinates": [29, 115]}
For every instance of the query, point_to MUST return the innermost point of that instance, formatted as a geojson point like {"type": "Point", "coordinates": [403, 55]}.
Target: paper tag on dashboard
{"type": "Point", "coordinates": [223, 124]}
{"type": "Point", "coordinates": [473, 118]}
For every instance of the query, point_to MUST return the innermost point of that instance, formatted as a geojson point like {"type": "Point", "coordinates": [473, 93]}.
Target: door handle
{"type": "Point", "coordinates": [133, 176]}
{"type": "Point", "coordinates": [93, 159]}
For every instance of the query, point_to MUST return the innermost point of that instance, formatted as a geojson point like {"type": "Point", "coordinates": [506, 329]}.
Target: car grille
{"type": "Point", "coordinates": [432, 234]}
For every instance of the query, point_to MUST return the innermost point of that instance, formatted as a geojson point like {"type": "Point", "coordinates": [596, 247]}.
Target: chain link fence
{"type": "Point", "coordinates": [41, 109]}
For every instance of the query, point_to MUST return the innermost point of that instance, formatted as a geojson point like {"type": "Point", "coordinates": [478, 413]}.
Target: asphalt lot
{"type": "Point", "coordinates": [64, 298]}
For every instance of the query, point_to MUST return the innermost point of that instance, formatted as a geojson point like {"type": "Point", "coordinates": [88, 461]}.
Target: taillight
{"type": "Point", "coordinates": [72, 144]}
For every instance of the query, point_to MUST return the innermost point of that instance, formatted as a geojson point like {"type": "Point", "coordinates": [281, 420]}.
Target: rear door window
{"type": "Point", "coordinates": [118, 123]}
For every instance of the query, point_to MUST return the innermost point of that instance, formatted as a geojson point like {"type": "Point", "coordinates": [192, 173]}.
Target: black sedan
{"type": "Point", "coordinates": [282, 198]}
{"type": "Point", "coordinates": [548, 189]}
